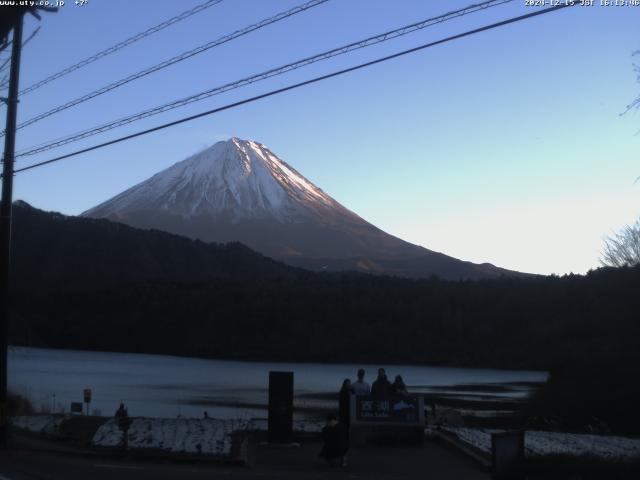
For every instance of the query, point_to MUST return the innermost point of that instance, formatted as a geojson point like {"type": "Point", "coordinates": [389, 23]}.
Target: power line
{"type": "Point", "coordinates": [300, 84]}
{"type": "Point", "coordinates": [178, 58]}
{"type": "Point", "coordinates": [119, 46]}
{"type": "Point", "coordinates": [383, 37]}
{"type": "Point", "coordinates": [5, 64]}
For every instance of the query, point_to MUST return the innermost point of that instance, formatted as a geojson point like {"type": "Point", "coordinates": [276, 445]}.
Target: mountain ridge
{"type": "Point", "coordinates": [239, 190]}
{"type": "Point", "coordinates": [62, 252]}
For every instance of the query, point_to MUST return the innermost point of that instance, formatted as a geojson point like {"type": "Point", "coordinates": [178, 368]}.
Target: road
{"type": "Point", "coordinates": [393, 463]}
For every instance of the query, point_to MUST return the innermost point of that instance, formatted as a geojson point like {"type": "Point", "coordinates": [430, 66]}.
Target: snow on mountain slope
{"type": "Point", "coordinates": [237, 178]}
{"type": "Point", "coordinates": [238, 190]}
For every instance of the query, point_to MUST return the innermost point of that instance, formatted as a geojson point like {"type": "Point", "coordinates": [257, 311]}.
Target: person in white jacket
{"type": "Point", "coordinates": [361, 387]}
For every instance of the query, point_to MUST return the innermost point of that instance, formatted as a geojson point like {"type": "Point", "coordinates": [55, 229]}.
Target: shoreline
{"type": "Point", "coordinates": [262, 359]}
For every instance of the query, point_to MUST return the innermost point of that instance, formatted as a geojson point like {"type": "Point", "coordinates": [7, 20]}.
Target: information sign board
{"type": "Point", "coordinates": [400, 410]}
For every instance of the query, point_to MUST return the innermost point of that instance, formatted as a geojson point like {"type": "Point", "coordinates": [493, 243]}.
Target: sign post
{"type": "Point", "coordinates": [87, 398]}
{"type": "Point", "coordinates": [76, 407]}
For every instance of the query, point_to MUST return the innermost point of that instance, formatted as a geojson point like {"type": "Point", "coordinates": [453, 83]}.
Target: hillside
{"type": "Point", "coordinates": [81, 282]}
{"type": "Point", "coordinates": [59, 251]}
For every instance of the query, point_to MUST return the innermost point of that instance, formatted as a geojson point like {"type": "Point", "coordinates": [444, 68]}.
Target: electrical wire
{"type": "Point", "coordinates": [178, 58]}
{"type": "Point", "coordinates": [5, 64]}
{"type": "Point", "coordinates": [383, 37]}
{"type": "Point", "coordinates": [300, 84]}
{"type": "Point", "coordinates": [119, 46]}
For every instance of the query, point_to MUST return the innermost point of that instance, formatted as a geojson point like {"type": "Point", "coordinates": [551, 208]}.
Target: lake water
{"type": "Point", "coordinates": [166, 386]}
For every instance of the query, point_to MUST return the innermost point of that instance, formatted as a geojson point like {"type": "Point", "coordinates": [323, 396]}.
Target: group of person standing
{"type": "Point", "coordinates": [381, 386]}
{"type": "Point", "coordinates": [335, 434]}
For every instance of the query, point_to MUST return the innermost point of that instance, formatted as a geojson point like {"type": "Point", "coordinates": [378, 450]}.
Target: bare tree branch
{"type": "Point", "coordinates": [623, 248]}
{"type": "Point", "coordinates": [636, 103]}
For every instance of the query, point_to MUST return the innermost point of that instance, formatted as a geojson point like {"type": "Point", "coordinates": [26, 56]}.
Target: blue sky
{"type": "Point", "coordinates": [505, 147]}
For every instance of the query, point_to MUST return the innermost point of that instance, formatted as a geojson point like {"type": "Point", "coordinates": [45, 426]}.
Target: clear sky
{"type": "Point", "coordinates": [505, 147]}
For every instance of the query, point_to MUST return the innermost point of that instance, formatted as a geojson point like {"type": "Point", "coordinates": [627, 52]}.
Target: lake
{"type": "Point", "coordinates": [167, 386]}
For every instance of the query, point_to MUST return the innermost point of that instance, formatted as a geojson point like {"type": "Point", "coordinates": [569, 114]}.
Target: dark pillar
{"type": "Point", "coordinates": [507, 451]}
{"type": "Point", "coordinates": [280, 406]}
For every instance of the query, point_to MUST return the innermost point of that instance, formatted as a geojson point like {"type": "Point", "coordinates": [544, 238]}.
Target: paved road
{"type": "Point", "coordinates": [429, 461]}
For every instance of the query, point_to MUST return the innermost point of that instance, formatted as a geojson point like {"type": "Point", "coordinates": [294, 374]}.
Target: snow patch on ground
{"type": "Point", "coordinates": [301, 426]}
{"type": "Point", "coordinates": [48, 424]}
{"type": "Point", "coordinates": [540, 444]}
{"type": "Point", "coordinates": [186, 435]}
{"type": "Point", "coordinates": [179, 435]}
{"type": "Point", "coordinates": [207, 436]}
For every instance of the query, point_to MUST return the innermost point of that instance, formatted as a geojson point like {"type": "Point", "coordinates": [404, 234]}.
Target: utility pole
{"type": "Point", "coordinates": [5, 217]}
{"type": "Point", "coordinates": [11, 19]}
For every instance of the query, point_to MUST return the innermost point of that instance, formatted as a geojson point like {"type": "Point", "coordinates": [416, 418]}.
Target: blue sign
{"type": "Point", "coordinates": [380, 410]}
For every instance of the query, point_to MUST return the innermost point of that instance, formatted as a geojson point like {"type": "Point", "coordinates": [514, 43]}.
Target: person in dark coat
{"type": "Point", "coordinates": [122, 411]}
{"type": "Point", "coordinates": [333, 441]}
{"type": "Point", "coordinates": [381, 387]}
{"type": "Point", "coordinates": [398, 387]}
{"type": "Point", "coordinates": [344, 415]}
{"type": "Point", "coordinates": [344, 402]}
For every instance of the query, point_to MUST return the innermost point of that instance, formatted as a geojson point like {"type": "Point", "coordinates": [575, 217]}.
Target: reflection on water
{"type": "Point", "coordinates": [165, 386]}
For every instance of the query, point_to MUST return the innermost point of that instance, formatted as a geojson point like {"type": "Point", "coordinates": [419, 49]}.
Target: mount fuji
{"type": "Point", "coordinates": [238, 190]}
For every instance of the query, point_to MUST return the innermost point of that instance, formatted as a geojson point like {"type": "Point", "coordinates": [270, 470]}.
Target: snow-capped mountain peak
{"type": "Point", "coordinates": [235, 178]}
